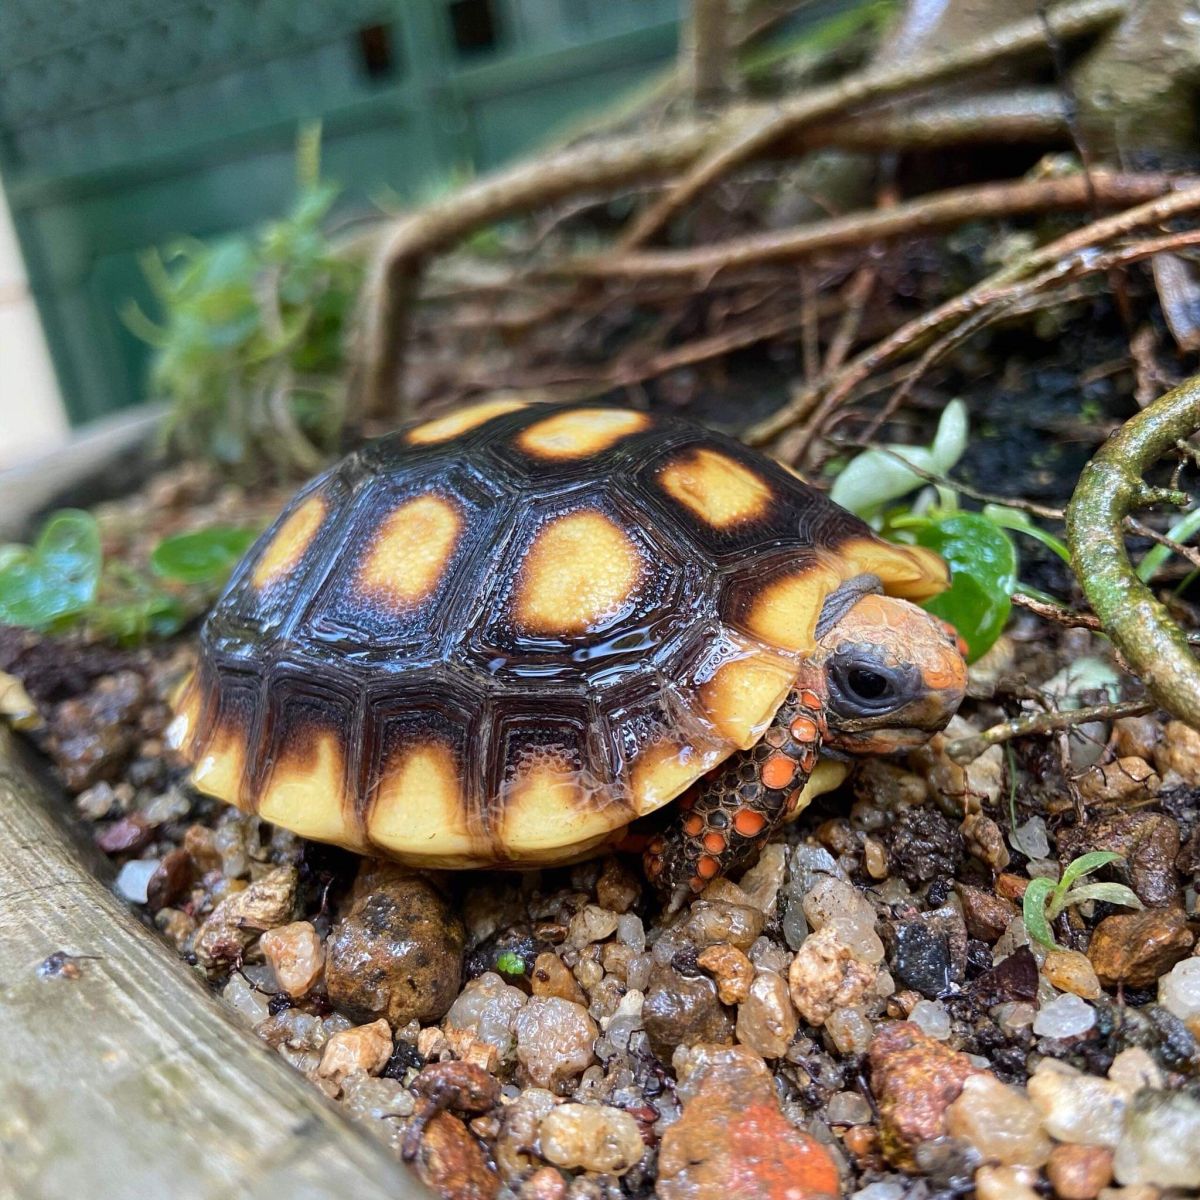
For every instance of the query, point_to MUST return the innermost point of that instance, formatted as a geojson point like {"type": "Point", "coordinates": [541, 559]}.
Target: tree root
{"type": "Point", "coordinates": [965, 749]}
{"type": "Point", "coordinates": [875, 83]}
{"type": "Point", "coordinates": [1109, 490]}
{"type": "Point", "coordinates": [913, 218]}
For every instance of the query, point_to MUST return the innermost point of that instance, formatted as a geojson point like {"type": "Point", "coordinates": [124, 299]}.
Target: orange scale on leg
{"type": "Point", "coordinates": [707, 867]}
{"type": "Point", "coordinates": [810, 700]}
{"type": "Point", "coordinates": [748, 822]}
{"type": "Point", "coordinates": [714, 842]}
{"type": "Point", "coordinates": [778, 771]}
{"type": "Point", "coordinates": [693, 825]}
{"type": "Point", "coordinates": [803, 729]}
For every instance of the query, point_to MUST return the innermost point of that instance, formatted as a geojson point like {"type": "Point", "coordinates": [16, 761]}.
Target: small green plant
{"type": "Point", "coordinates": [249, 349]}
{"type": "Point", "coordinates": [1046, 899]}
{"type": "Point", "coordinates": [62, 581]}
{"type": "Point", "coordinates": [981, 554]}
{"type": "Point", "coordinates": [509, 962]}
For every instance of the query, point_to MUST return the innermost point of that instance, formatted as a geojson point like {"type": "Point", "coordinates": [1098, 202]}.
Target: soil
{"type": "Point", "coordinates": [866, 1004]}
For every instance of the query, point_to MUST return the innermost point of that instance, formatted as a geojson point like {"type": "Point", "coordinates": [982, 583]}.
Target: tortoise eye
{"type": "Point", "coordinates": [867, 684]}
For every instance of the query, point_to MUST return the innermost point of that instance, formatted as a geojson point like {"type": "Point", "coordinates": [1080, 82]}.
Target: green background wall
{"type": "Point", "coordinates": [126, 123]}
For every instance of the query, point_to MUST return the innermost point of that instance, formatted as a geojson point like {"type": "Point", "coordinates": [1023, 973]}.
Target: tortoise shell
{"type": "Point", "coordinates": [501, 636]}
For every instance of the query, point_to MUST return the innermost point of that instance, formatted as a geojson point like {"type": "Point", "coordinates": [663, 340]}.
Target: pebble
{"type": "Point", "coordinates": [617, 888]}
{"type": "Point", "coordinates": [914, 1080]}
{"type": "Point", "coordinates": [766, 1020]}
{"type": "Point", "coordinates": [1122, 781]}
{"type": "Point", "coordinates": [555, 1040]}
{"type": "Point", "coordinates": [931, 1018]}
{"type": "Point", "coordinates": [1179, 991]}
{"type": "Point", "coordinates": [834, 904]}
{"type": "Point", "coordinates": [552, 977]}
{"type": "Point", "coordinates": [1066, 1016]}
{"type": "Point", "coordinates": [450, 1161]}
{"type": "Point", "coordinates": [1179, 751]}
{"type": "Point", "coordinates": [1071, 971]}
{"type": "Point", "coordinates": [365, 1048]}
{"type": "Point", "coordinates": [681, 1010]}
{"type": "Point", "coordinates": [1079, 1172]}
{"type": "Point", "coordinates": [1031, 838]}
{"type": "Point", "coordinates": [731, 969]}
{"type": "Point", "coordinates": [591, 924]}
{"type": "Point", "coordinates": [882, 1190]}
{"type": "Point", "coordinates": [849, 1030]}
{"type": "Point", "coordinates": [594, 1137]}
{"type": "Point", "coordinates": [763, 881]}
{"type": "Point", "coordinates": [133, 879]}
{"type": "Point", "coordinates": [1159, 1146]}
{"type": "Point", "coordinates": [397, 953]}
{"type": "Point", "coordinates": [461, 1086]}
{"type": "Point", "coordinates": [924, 845]}
{"type": "Point", "coordinates": [1077, 1108]}
{"type": "Point", "coordinates": [230, 928]}
{"type": "Point", "coordinates": [986, 914]}
{"type": "Point", "coordinates": [712, 921]}
{"type": "Point", "coordinates": [1005, 1183]}
{"type": "Point", "coordinates": [1137, 948]}
{"type": "Point", "coordinates": [826, 975]}
{"type": "Point", "coordinates": [848, 1108]}
{"type": "Point", "coordinates": [544, 1184]}
{"type": "Point", "coordinates": [250, 1004]}
{"type": "Point", "coordinates": [981, 780]}
{"type": "Point", "coordinates": [920, 957]}
{"type": "Point", "coordinates": [487, 1007]}
{"type": "Point", "coordinates": [984, 840]}
{"type": "Point", "coordinates": [999, 1121]}
{"type": "Point", "coordinates": [732, 1140]}
{"type": "Point", "coordinates": [631, 932]}
{"type": "Point", "coordinates": [1148, 842]}
{"type": "Point", "coordinates": [296, 954]}
{"type": "Point", "coordinates": [1138, 736]}
{"type": "Point", "coordinates": [1134, 1069]}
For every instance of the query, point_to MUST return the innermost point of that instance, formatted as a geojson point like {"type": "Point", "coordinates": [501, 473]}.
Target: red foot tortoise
{"type": "Point", "coordinates": [500, 637]}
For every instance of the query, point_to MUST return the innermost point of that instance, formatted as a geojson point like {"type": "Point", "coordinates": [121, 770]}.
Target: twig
{"type": "Point", "coordinates": [951, 207]}
{"type": "Point", "coordinates": [1109, 489]}
{"type": "Point", "coordinates": [965, 749]}
{"type": "Point", "coordinates": [1055, 259]}
{"type": "Point", "coordinates": [875, 83]}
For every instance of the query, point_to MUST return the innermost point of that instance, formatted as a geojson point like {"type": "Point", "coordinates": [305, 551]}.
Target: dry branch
{"type": "Point", "coordinates": [913, 218]}
{"type": "Point", "coordinates": [1109, 490]}
{"type": "Point", "coordinates": [875, 83]}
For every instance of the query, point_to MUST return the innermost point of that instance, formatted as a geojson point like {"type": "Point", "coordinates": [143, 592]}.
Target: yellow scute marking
{"type": "Point", "coordinates": [742, 696]}
{"type": "Point", "coordinates": [910, 572]}
{"type": "Point", "coordinates": [541, 806]}
{"type": "Point", "coordinates": [580, 571]}
{"type": "Point", "coordinates": [666, 768]}
{"type": "Point", "coordinates": [716, 488]}
{"type": "Point", "coordinates": [287, 547]}
{"type": "Point", "coordinates": [443, 428]}
{"type": "Point", "coordinates": [220, 767]}
{"type": "Point", "coordinates": [784, 612]}
{"type": "Point", "coordinates": [411, 551]}
{"type": "Point", "coordinates": [306, 793]}
{"type": "Point", "coordinates": [580, 433]}
{"type": "Point", "coordinates": [418, 807]}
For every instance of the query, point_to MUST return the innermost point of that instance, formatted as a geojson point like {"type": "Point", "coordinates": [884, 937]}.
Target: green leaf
{"type": "Point", "coordinates": [1188, 527]}
{"type": "Point", "coordinates": [510, 963]}
{"type": "Point", "coordinates": [1021, 522]}
{"type": "Point", "coordinates": [950, 441]}
{"type": "Point", "coordinates": [1113, 893]}
{"type": "Point", "coordinates": [983, 574]}
{"type": "Point", "coordinates": [54, 581]}
{"type": "Point", "coordinates": [206, 556]}
{"type": "Point", "coordinates": [1085, 864]}
{"type": "Point", "coordinates": [1033, 910]}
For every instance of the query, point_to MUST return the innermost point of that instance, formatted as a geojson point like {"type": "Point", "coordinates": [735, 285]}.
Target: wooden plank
{"type": "Point", "coordinates": [129, 1082]}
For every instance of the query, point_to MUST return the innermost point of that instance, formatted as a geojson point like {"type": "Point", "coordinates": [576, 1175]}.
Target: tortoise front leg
{"type": "Point", "coordinates": [724, 820]}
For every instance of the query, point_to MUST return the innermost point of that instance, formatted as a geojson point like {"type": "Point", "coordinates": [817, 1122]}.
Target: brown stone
{"type": "Point", "coordinates": [986, 914]}
{"type": "Point", "coordinates": [458, 1085]}
{"type": "Point", "coordinates": [552, 977]}
{"type": "Point", "coordinates": [1119, 782]}
{"type": "Point", "coordinates": [1079, 1172]}
{"type": "Point", "coordinates": [731, 969]}
{"type": "Point", "coordinates": [682, 1010]}
{"type": "Point", "coordinates": [241, 917]}
{"type": "Point", "coordinates": [1011, 887]}
{"type": "Point", "coordinates": [914, 1079]}
{"type": "Point", "coordinates": [1179, 751]}
{"type": "Point", "coordinates": [397, 954]}
{"type": "Point", "coordinates": [1147, 841]}
{"type": "Point", "coordinates": [1136, 948]}
{"type": "Point", "coordinates": [618, 888]}
{"type": "Point", "coordinates": [733, 1141]}
{"type": "Point", "coordinates": [449, 1160]}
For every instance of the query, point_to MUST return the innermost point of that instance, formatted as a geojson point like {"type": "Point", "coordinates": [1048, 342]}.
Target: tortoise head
{"type": "Point", "coordinates": [894, 674]}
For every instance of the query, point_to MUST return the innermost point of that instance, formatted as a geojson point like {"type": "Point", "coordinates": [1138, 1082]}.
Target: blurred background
{"type": "Point", "coordinates": [127, 123]}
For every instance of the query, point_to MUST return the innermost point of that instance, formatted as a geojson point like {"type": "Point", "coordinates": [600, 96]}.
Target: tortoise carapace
{"type": "Point", "coordinates": [500, 637]}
